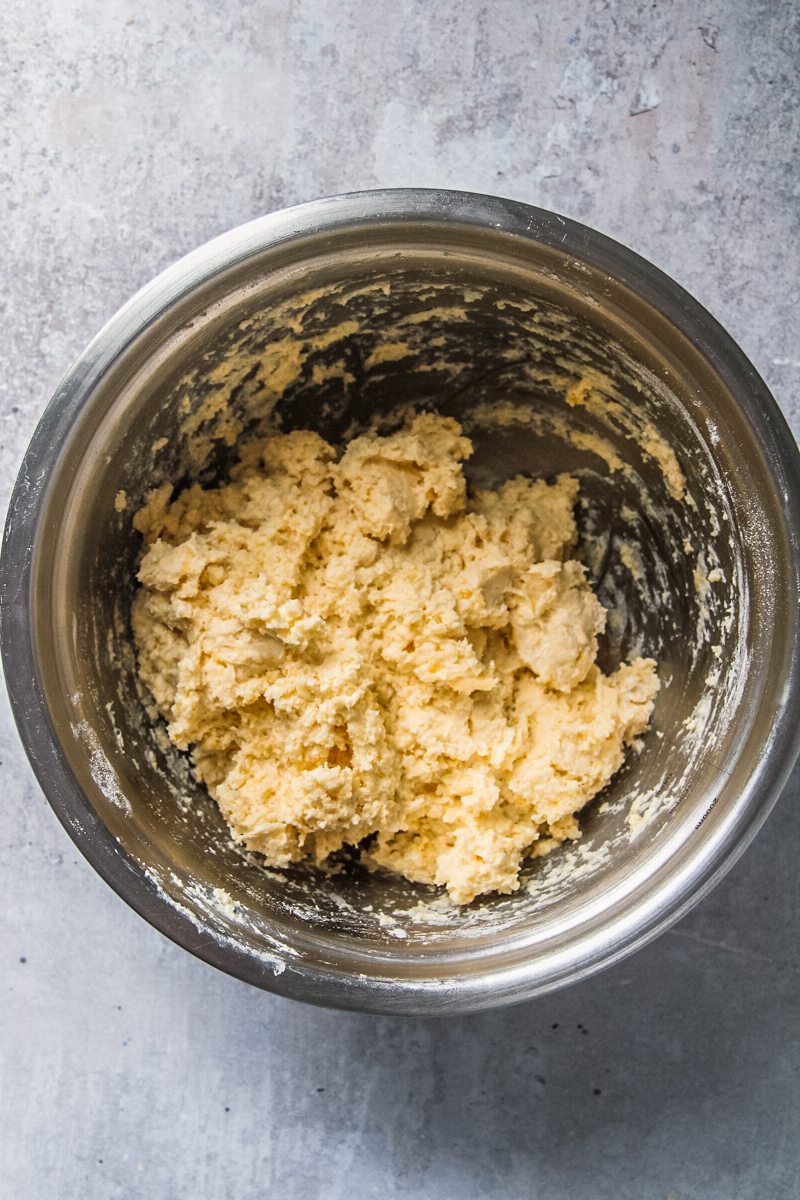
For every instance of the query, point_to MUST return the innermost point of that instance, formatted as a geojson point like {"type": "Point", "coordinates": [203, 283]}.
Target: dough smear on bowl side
{"type": "Point", "coordinates": [356, 651]}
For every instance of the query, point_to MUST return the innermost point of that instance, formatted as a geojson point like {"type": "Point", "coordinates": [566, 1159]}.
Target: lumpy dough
{"type": "Point", "coordinates": [358, 652]}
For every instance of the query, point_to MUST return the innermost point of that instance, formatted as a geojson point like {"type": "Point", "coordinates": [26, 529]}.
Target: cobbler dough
{"type": "Point", "coordinates": [353, 648]}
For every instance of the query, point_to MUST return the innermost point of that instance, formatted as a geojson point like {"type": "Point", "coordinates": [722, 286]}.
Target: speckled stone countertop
{"type": "Point", "coordinates": [133, 131]}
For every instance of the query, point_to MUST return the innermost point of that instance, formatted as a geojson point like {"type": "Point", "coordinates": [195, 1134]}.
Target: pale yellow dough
{"type": "Point", "coordinates": [352, 646]}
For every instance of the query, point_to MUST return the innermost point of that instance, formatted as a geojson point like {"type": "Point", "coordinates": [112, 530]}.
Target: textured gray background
{"type": "Point", "coordinates": [134, 130]}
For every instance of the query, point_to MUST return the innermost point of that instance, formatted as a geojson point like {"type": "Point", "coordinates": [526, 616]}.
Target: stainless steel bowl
{"type": "Point", "coordinates": [488, 300]}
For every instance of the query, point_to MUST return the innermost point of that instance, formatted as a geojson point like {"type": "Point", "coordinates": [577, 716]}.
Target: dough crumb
{"type": "Point", "coordinates": [357, 652]}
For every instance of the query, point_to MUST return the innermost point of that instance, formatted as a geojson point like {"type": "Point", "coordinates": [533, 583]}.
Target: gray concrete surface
{"type": "Point", "coordinates": [133, 130]}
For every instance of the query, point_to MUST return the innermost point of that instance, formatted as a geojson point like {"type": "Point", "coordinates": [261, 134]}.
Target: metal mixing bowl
{"type": "Point", "coordinates": [334, 312]}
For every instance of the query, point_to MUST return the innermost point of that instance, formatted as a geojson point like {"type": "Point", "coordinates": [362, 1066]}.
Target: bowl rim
{"type": "Point", "coordinates": [589, 950]}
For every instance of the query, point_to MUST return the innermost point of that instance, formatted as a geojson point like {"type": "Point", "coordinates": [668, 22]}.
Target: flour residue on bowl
{"type": "Point", "coordinates": [604, 432]}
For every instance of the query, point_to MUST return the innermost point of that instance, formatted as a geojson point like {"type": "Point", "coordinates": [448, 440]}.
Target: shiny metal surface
{"type": "Point", "coordinates": [69, 561]}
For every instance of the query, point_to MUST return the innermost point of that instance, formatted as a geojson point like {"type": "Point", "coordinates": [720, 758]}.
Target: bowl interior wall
{"type": "Point", "coordinates": [467, 333]}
